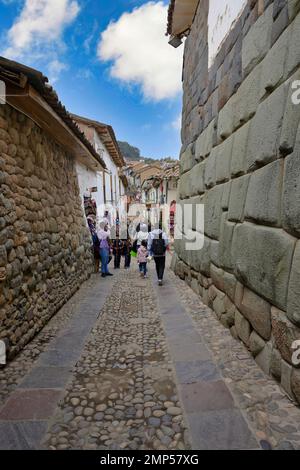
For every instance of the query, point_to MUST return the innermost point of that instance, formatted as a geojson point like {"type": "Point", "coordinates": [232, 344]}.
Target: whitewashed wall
{"type": "Point", "coordinates": [89, 179]}
{"type": "Point", "coordinates": [222, 14]}
{"type": "Point", "coordinates": [117, 185]}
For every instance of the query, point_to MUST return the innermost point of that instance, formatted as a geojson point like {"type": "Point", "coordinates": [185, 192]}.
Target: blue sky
{"type": "Point", "coordinates": [108, 60]}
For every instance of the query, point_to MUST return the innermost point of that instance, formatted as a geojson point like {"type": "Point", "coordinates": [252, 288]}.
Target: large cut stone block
{"type": "Point", "coordinates": [293, 8]}
{"type": "Point", "coordinates": [213, 211]}
{"type": "Point", "coordinates": [293, 59]}
{"type": "Point", "coordinates": [263, 359]}
{"type": "Point", "coordinates": [197, 179]}
{"type": "Point", "coordinates": [239, 150]}
{"type": "Point", "coordinates": [275, 364]}
{"type": "Point", "coordinates": [203, 258]}
{"type": "Point", "coordinates": [226, 195]}
{"type": "Point", "coordinates": [214, 252]}
{"type": "Point", "coordinates": [187, 159]}
{"type": "Point", "coordinates": [295, 384]}
{"type": "Point", "coordinates": [286, 378]}
{"type": "Point", "coordinates": [243, 327]}
{"type": "Point", "coordinates": [225, 121]}
{"type": "Point", "coordinates": [226, 237]}
{"type": "Point", "coordinates": [291, 119]}
{"type": "Point", "coordinates": [273, 64]}
{"type": "Point", "coordinates": [265, 129]}
{"type": "Point", "coordinates": [264, 195]}
{"type": "Point", "coordinates": [238, 194]}
{"type": "Point", "coordinates": [229, 282]}
{"type": "Point", "coordinates": [293, 304]}
{"type": "Point", "coordinates": [210, 169]}
{"type": "Point", "coordinates": [185, 185]}
{"type": "Point", "coordinates": [257, 42]}
{"type": "Point", "coordinates": [217, 277]}
{"type": "Point", "coordinates": [284, 333]}
{"type": "Point", "coordinates": [291, 192]}
{"type": "Point", "coordinates": [263, 258]}
{"type": "Point", "coordinates": [256, 343]}
{"type": "Point", "coordinates": [246, 100]}
{"type": "Point", "coordinates": [258, 312]}
{"type": "Point", "coordinates": [205, 141]}
{"type": "Point", "coordinates": [223, 160]}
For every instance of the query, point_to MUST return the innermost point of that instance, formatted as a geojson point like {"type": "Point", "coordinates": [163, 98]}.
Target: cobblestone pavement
{"type": "Point", "coordinates": [123, 393]}
{"type": "Point", "coordinates": [15, 371]}
{"type": "Point", "coordinates": [273, 417]}
{"type": "Point", "coordinates": [130, 365]}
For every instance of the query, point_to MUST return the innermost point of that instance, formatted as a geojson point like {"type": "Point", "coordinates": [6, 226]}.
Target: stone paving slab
{"type": "Point", "coordinates": [187, 350]}
{"type": "Point", "coordinates": [22, 435]}
{"type": "Point", "coordinates": [220, 430]}
{"type": "Point", "coordinates": [123, 394]}
{"type": "Point", "coordinates": [272, 416]}
{"type": "Point", "coordinates": [59, 358]}
{"type": "Point", "coordinates": [206, 396]}
{"type": "Point", "coordinates": [46, 377]}
{"type": "Point", "coordinates": [189, 372]}
{"type": "Point", "coordinates": [30, 405]}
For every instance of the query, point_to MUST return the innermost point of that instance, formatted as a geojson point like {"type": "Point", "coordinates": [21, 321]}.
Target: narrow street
{"type": "Point", "coordinates": [126, 364]}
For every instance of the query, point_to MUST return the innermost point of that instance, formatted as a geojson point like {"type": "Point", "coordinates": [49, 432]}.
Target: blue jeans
{"type": "Point", "coordinates": [104, 255]}
{"type": "Point", "coordinates": [143, 268]}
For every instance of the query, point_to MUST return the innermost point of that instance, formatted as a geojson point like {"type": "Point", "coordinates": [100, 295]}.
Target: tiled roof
{"type": "Point", "coordinates": [11, 71]}
{"type": "Point", "coordinates": [107, 136]}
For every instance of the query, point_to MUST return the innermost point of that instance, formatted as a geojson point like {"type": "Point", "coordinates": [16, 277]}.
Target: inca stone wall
{"type": "Point", "coordinates": [241, 158]}
{"type": "Point", "coordinates": [44, 244]}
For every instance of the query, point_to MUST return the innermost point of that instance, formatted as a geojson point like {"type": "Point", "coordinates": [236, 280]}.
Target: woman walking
{"type": "Point", "coordinates": [103, 235]}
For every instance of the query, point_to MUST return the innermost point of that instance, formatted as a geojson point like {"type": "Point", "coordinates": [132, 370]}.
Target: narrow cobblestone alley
{"type": "Point", "coordinates": [126, 364]}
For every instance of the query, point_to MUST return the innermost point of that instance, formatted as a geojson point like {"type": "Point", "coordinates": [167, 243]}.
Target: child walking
{"type": "Point", "coordinates": [142, 258]}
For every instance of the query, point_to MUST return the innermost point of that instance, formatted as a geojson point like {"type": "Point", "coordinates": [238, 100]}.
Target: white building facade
{"type": "Point", "coordinates": [107, 188]}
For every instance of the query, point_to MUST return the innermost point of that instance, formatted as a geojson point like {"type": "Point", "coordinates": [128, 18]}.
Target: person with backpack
{"type": "Point", "coordinates": [157, 247]}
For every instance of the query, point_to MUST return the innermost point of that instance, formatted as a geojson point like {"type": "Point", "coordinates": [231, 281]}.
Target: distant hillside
{"type": "Point", "coordinates": [129, 152]}
{"type": "Point", "coordinates": [133, 154]}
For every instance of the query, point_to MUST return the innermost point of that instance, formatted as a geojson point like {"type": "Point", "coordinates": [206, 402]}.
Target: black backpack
{"type": "Point", "coordinates": [158, 246]}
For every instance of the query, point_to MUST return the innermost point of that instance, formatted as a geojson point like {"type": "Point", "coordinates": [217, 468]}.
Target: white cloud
{"type": "Point", "coordinates": [140, 54]}
{"type": "Point", "coordinates": [39, 27]}
{"type": "Point", "coordinates": [55, 68]}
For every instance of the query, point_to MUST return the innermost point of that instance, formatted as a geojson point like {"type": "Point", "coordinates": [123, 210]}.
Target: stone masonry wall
{"type": "Point", "coordinates": [44, 243]}
{"type": "Point", "coordinates": [241, 158]}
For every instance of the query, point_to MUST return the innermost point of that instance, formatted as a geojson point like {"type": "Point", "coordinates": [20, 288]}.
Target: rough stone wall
{"type": "Point", "coordinates": [44, 243]}
{"type": "Point", "coordinates": [241, 158]}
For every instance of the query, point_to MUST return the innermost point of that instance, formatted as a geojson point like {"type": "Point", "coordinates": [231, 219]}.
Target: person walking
{"type": "Point", "coordinates": [103, 235]}
{"type": "Point", "coordinates": [117, 252]}
{"type": "Point", "coordinates": [96, 244]}
{"type": "Point", "coordinates": [143, 258]}
{"type": "Point", "coordinates": [127, 247]}
{"type": "Point", "coordinates": [141, 236]}
{"type": "Point", "coordinates": [157, 247]}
